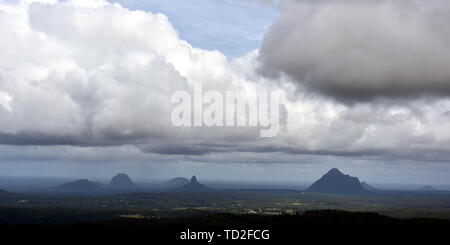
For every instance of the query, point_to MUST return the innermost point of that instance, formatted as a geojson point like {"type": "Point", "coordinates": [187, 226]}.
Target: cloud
{"type": "Point", "coordinates": [102, 76]}
{"type": "Point", "coordinates": [5, 101]}
{"type": "Point", "coordinates": [361, 50]}
{"type": "Point", "coordinates": [233, 27]}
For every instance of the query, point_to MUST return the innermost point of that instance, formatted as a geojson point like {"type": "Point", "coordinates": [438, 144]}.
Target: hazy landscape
{"type": "Point", "coordinates": [212, 121]}
{"type": "Point", "coordinates": [49, 202]}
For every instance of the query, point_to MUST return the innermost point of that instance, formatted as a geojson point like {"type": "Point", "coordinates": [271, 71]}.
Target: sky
{"type": "Point", "coordinates": [365, 87]}
{"type": "Point", "coordinates": [234, 27]}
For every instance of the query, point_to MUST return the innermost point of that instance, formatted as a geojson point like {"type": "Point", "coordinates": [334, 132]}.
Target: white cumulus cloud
{"type": "Point", "coordinates": [94, 74]}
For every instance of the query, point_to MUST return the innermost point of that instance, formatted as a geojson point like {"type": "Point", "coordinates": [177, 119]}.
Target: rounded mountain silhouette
{"type": "Point", "coordinates": [336, 182]}
{"type": "Point", "coordinates": [193, 185]}
{"type": "Point", "coordinates": [122, 180]}
{"type": "Point", "coordinates": [177, 182]}
{"type": "Point", "coordinates": [82, 185]}
{"type": "Point", "coordinates": [427, 188]}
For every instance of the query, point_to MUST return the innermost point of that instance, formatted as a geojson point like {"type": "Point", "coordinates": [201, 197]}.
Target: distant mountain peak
{"type": "Point", "coordinates": [427, 188]}
{"type": "Point", "coordinates": [194, 179]}
{"type": "Point", "coordinates": [80, 185]}
{"type": "Point", "coordinates": [82, 182]}
{"type": "Point", "coordinates": [194, 185]}
{"type": "Point", "coordinates": [177, 182]}
{"type": "Point", "coordinates": [122, 180]}
{"type": "Point", "coordinates": [334, 171]}
{"type": "Point", "coordinates": [334, 181]}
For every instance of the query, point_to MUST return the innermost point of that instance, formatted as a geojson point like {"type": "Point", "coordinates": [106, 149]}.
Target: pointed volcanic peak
{"type": "Point", "coordinates": [82, 185]}
{"type": "Point", "coordinates": [367, 186]}
{"type": "Point", "coordinates": [122, 181]}
{"type": "Point", "coordinates": [336, 182]}
{"type": "Point", "coordinates": [193, 185]}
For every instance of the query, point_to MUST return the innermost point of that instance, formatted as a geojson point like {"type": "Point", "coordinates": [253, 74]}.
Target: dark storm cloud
{"type": "Point", "coordinates": [174, 149]}
{"type": "Point", "coordinates": [359, 50]}
{"type": "Point", "coordinates": [32, 138]}
{"type": "Point", "coordinates": [195, 149]}
{"type": "Point", "coordinates": [29, 138]}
